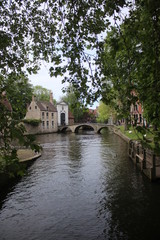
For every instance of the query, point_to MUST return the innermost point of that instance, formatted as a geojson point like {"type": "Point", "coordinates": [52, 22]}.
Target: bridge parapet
{"type": "Point", "coordinates": [97, 127]}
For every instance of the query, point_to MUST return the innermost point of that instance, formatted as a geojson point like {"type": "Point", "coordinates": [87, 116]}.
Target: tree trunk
{"type": "Point", "coordinates": [126, 124]}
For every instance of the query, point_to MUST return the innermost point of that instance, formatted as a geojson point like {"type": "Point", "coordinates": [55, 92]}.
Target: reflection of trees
{"type": "Point", "coordinates": [126, 202]}
{"type": "Point", "coordinates": [75, 152]}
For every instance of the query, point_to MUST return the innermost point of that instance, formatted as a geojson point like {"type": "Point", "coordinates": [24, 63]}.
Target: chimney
{"type": "Point", "coordinates": [51, 97]}
{"type": "Point", "coordinates": [33, 99]}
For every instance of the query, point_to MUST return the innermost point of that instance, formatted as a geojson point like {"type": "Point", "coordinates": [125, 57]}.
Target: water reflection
{"type": "Point", "coordinates": [82, 188]}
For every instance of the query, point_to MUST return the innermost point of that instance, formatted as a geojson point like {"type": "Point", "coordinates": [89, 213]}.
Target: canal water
{"type": "Point", "coordinates": [84, 187]}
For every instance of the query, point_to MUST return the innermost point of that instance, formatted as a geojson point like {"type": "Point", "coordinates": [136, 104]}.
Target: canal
{"type": "Point", "coordinates": [83, 187]}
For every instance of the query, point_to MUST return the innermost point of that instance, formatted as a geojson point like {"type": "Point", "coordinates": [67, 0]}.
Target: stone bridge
{"type": "Point", "coordinates": [96, 127]}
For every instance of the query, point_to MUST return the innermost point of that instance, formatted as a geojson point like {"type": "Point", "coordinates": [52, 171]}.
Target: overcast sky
{"type": "Point", "coordinates": [54, 84]}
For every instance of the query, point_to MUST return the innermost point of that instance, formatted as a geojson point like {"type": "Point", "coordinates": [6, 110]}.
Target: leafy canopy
{"type": "Point", "coordinates": [42, 94]}
{"type": "Point", "coordinates": [65, 33]}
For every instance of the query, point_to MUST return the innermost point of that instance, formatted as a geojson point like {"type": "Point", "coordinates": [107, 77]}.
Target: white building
{"type": "Point", "coordinates": [62, 109]}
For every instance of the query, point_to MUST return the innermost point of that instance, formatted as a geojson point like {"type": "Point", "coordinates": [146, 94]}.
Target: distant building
{"type": "Point", "coordinates": [48, 115]}
{"type": "Point", "coordinates": [62, 109]}
{"type": "Point", "coordinates": [70, 118]}
{"type": "Point", "coordinates": [90, 115]}
{"type": "Point", "coordinates": [43, 111]}
{"type": "Point", "coordinates": [136, 113]}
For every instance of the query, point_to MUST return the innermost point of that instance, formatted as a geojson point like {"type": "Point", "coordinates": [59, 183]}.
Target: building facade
{"type": "Point", "coordinates": [43, 111]}
{"type": "Point", "coordinates": [62, 109]}
{"type": "Point", "coordinates": [136, 113]}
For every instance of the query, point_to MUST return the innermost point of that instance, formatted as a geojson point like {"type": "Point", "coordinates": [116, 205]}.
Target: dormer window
{"type": "Point", "coordinates": [47, 108]}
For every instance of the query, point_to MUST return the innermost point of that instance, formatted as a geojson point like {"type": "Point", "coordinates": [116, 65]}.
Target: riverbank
{"type": "Point", "coordinates": [26, 157]}
{"type": "Point", "coordinates": [144, 158]}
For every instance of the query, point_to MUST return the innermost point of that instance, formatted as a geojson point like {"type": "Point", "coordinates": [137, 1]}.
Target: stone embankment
{"type": "Point", "coordinates": [145, 159]}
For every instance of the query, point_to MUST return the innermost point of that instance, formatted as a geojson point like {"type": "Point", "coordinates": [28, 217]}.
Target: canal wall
{"type": "Point", "coordinates": [145, 159]}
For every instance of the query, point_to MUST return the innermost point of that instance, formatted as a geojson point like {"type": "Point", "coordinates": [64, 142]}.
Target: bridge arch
{"type": "Point", "coordinates": [63, 129]}
{"type": "Point", "coordinates": [84, 125]}
{"type": "Point", "coordinates": [99, 129]}
{"type": "Point", "coordinates": [96, 127]}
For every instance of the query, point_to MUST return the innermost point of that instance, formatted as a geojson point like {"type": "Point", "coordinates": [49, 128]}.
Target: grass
{"type": "Point", "coordinates": [147, 138]}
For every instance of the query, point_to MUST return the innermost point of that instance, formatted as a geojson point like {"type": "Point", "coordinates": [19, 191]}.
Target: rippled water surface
{"type": "Point", "coordinates": [83, 187]}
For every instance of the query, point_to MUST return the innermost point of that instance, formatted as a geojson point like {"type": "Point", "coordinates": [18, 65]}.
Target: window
{"type": "Point", "coordinates": [136, 107]}
{"type": "Point", "coordinates": [43, 124]}
{"type": "Point", "coordinates": [47, 115]}
{"type": "Point", "coordinates": [140, 118]}
{"type": "Point", "coordinates": [52, 115]}
{"type": "Point", "coordinates": [35, 107]}
{"type": "Point", "coordinates": [52, 124]}
{"type": "Point", "coordinates": [42, 115]}
{"type": "Point", "coordinates": [47, 124]}
{"type": "Point", "coordinates": [30, 108]}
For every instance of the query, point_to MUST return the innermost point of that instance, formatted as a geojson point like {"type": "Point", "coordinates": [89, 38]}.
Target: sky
{"type": "Point", "coordinates": [43, 79]}
{"type": "Point", "coordinates": [54, 84]}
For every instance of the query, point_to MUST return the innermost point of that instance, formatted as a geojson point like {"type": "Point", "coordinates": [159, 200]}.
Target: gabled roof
{"type": "Point", "coordinates": [46, 106]}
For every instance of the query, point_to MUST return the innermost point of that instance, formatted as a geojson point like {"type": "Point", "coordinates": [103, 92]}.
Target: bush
{"type": "Point", "coordinates": [33, 122]}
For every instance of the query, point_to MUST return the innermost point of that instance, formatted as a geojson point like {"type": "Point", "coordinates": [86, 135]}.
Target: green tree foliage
{"type": "Point", "coordinates": [105, 112]}
{"type": "Point", "coordinates": [69, 35]}
{"type": "Point", "coordinates": [118, 66]}
{"type": "Point", "coordinates": [148, 61]}
{"type": "Point", "coordinates": [42, 94]}
{"type": "Point", "coordinates": [19, 93]}
{"type": "Point", "coordinates": [131, 62]}
{"type": "Point", "coordinates": [75, 105]}
{"type": "Point", "coordinates": [63, 32]}
{"type": "Point", "coordinates": [15, 93]}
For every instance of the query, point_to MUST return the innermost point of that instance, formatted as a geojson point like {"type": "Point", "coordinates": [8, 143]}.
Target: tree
{"type": "Point", "coordinates": [75, 105]}
{"type": "Point", "coordinates": [148, 63]}
{"type": "Point", "coordinates": [69, 35]}
{"type": "Point", "coordinates": [105, 112]}
{"type": "Point", "coordinates": [42, 94]}
{"type": "Point", "coordinates": [61, 32]}
{"type": "Point", "coordinates": [118, 67]}
{"type": "Point", "coordinates": [19, 93]}
{"type": "Point", "coordinates": [16, 93]}
{"type": "Point", "coordinates": [131, 62]}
